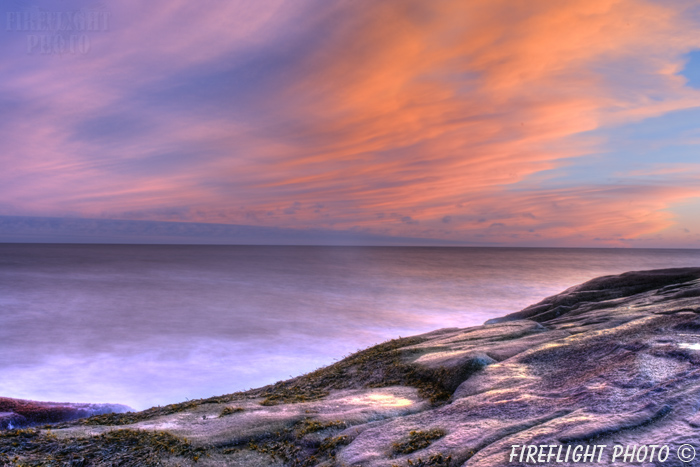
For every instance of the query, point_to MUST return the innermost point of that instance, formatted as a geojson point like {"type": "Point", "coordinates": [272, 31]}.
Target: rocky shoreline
{"type": "Point", "coordinates": [18, 413]}
{"type": "Point", "coordinates": [614, 361]}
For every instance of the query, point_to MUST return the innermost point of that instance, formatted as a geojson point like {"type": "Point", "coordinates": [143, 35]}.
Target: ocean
{"type": "Point", "coordinates": [147, 325]}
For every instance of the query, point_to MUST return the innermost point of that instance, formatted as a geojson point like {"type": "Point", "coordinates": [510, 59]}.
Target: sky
{"type": "Point", "coordinates": [449, 122]}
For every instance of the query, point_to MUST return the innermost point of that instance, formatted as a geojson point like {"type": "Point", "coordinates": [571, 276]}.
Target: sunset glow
{"type": "Point", "coordinates": [470, 123]}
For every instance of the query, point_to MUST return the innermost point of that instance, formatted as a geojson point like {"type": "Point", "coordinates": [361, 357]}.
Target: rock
{"type": "Point", "coordinates": [11, 420]}
{"type": "Point", "coordinates": [606, 290]}
{"type": "Point", "coordinates": [18, 413]}
{"type": "Point", "coordinates": [613, 361]}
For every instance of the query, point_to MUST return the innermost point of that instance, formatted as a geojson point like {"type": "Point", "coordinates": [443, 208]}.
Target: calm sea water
{"type": "Point", "coordinates": [152, 325]}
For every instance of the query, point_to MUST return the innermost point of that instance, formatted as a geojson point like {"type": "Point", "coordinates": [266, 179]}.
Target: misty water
{"type": "Point", "coordinates": [152, 325]}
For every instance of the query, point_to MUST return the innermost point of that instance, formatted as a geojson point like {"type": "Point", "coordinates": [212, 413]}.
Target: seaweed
{"type": "Point", "coordinates": [295, 448]}
{"type": "Point", "coordinates": [114, 448]}
{"type": "Point", "coordinates": [378, 366]}
{"type": "Point", "coordinates": [230, 411]}
{"type": "Point", "coordinates": [417, 440]}
{"type": "Point", "coordinates": [436, 460]}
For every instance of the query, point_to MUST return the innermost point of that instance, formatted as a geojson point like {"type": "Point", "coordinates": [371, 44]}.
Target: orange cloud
{"type": "Point", "coordinates": [416, 108]}
{"type": "Point", "coordinates": [400, 117]}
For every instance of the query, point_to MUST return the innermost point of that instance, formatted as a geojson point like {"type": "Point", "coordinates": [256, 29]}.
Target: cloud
{"type": "Point", "coordinates": [21, 229]}
{"type": "Point", "coordinates": [444, 112]}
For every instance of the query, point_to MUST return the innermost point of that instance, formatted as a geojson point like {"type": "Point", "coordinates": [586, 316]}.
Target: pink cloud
{"type": "Point", "coordinates": [401, 114]}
